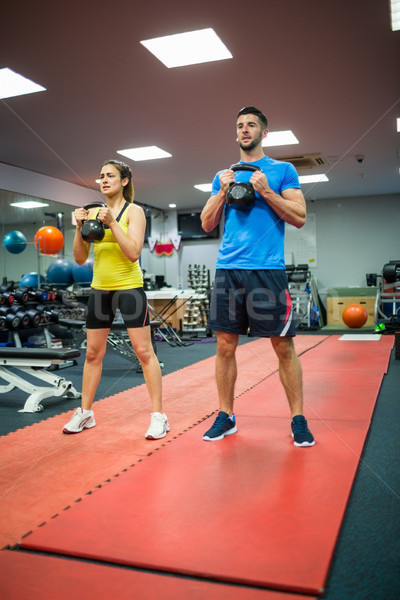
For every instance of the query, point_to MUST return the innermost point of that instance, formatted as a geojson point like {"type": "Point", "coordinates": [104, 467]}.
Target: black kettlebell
{"type": "Point", "coordinates": [93, 229]}
{"type": "Point", "coordinates": [241, 195]}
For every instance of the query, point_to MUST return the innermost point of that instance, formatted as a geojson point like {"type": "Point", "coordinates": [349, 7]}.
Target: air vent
{"type": "Point", "coordinates": [306, 161]}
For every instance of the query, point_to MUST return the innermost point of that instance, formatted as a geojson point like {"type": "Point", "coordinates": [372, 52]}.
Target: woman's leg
{"type": "Point", "coordinates": [96, 344]}
{"type": "Point", "coordinates": [140, 338]}
{"type": "Point", "coordinates": [83, 417]}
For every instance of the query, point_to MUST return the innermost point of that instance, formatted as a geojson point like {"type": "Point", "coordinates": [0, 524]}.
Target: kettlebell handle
{"type": "Point", "coordinates": [97, 204]}
{"type": "Point", "coordinates": [244, 167]}
{"type": "Point", "coordinates": [90, 205]}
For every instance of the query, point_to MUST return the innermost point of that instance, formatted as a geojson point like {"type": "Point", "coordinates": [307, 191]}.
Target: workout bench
{"type": "Point", "coordinates": [33, 362]}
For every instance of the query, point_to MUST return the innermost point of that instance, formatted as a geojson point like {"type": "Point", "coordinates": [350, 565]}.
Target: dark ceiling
{"type": "Point", "coordinates": [328, 71]}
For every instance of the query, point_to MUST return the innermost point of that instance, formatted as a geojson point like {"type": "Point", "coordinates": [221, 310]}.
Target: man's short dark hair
{"type": "Point", "coordinates": [252, 110]}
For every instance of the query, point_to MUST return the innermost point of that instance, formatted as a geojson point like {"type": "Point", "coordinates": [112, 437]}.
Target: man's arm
{"type": "Point", "coordinates": [212, 212]}
{"type": "Point", "coordinates": [289, 206]}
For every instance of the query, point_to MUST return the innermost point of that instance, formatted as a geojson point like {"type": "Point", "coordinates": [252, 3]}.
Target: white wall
{"type": "Point", "coordinates": [355, 236]}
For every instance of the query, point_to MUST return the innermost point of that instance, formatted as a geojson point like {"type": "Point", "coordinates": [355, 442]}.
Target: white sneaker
{"type": "Point", "coordinates": [159, 426]}
{"type": "Point", "coordinates": [80, 421]}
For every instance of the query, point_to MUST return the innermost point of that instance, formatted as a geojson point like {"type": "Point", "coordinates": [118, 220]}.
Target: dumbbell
{"type": "Point", "coordinates": [12, 321]}
{"type": "Point", "coordinates": [93, 229]}
{"type": "Point", "coordinates": [18, 310]}
{"type": "Point", "coordinates": [241, 195]}
{"type": "Point", "coordinates": [44, 314]}
{"type": "Point", "coordinates": [29, 316]}
{"type": "Point", "coordinates": [6, 298]}
{"type": "Point", "coordinates": [7, 287]}
{"type": "Point", "coordinates": [35, 294]}
{"type": "Point", "coordinates": [21, 295]}
{"type": "Point", "coordinates": [53, 313]}
{"type": "Point", "coordinates": [51, 294]}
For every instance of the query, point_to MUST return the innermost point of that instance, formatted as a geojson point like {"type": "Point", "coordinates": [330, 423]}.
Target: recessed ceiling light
{"type": "Point", "coordinates": [190, 48]}
{"type": "Point", "coordinates": [312, 178]}
{"type": "Point", "coordinates": [29, 204]}
{"type": "Point", "coordinates": [145, 153]}
{"type": "Point", "coordinates": [172, 205]}
{"type": "Point", "coordinates": [398, 124]}
{"type": "Point", "coordinates": [280, 138]}
{"type": "Point", "coordinates": [204, 187]}
{"type": "Point", "coordinates": [395, 14]}
{"type": "Point", "coordinates": [13, 84]}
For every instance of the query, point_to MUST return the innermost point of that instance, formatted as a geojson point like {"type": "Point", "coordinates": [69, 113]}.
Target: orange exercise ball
{"type": "Point", "coordinates": [49, 240]}
{"type": "Point", "coordinates": [354, 316]}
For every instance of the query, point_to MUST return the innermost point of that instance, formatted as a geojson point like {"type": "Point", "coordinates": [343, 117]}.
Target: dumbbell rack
{"type": "Point", "coordinates": [28, 311]}
{"type": "Point", "coordinates": [196, 315]}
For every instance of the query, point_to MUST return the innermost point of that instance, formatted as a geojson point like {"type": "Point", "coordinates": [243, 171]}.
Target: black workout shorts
{"type": "Point", "coordinates": [103, 304]}
{"type": "Point", "coordinates": [254, 302]}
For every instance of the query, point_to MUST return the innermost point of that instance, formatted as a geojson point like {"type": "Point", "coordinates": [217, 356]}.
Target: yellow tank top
{"type": "Point", "coordinates": [112, 270]}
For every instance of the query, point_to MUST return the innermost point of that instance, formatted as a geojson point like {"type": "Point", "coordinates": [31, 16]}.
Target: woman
{"type": "Point", "coordinates": [117, 283]}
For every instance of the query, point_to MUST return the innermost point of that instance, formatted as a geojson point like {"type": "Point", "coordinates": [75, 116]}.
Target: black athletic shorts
{"type": "Point", "coordinates": [103, 304]}
{"type": "Point", "coordinates": [253, 302]}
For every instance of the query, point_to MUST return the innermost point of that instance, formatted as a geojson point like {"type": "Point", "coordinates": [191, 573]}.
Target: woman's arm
{"type": "Point", "coordinates": [131, 243]}
{"type": "Point", "coordinates": [80, 248]}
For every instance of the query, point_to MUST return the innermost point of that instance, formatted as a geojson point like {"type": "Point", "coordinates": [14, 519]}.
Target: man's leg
{"type": "Point", "coordinates": [290, 373]}
{"type": "Point", "coordinates": [225, 372]}
{"type": "Point", "coordinates": [226, 369]}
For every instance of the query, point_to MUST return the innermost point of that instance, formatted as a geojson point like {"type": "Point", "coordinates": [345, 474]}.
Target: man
{"type": "Point", "coordinates": [250, 293]}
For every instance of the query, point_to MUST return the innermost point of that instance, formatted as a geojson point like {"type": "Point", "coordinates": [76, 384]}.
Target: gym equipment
{"type": "Point", "coordinates": [7, 298]}
{"type": "Point", "coordinates": [33, 362]}
{"type": "Point", "coordinates": [49, 240]}
{"type": "Point", "coordinates": [60, 272]}
{"type": "Point", "coordinates": [12, 321]}
{"type": "Point", "coordinates": [93, 229]}
{"type": "Point", "coordinates": [14, 242]}
{"type": "Point", "coordinates": [391, 271]}
{"type": "Point", "coordinates": [387, 306]}
{"type": "Point", "coordinates": [20, 312]}
{"type": "Point", "coordinates": [354, 316]}
{"type": "Point", "coordinates": [241, 195]}
{"type": "Point", "coordinates": [83, 274]}
{"type": "Point", "coordinates": [21, 295]}
{"type": "Point", "coordinates": [31, 280]}
{"type": "Point", "coordinates": [306, 305]}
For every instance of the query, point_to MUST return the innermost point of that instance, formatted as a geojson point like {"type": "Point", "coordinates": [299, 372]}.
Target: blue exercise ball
{"type": "Point", "coordinates": [14, 242]}
{"type": "Point", "coordinates": [83, 274]}
{"type": "Point", "coordinates": [59, 273]}
{"type": "Point", "coordinates": [31, 280]}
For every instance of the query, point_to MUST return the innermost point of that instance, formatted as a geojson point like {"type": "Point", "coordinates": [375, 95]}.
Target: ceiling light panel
{"type": "Point", "coordinates": [13, 84]}
{"type": "Point", "coordinates": [29, 204]}
{"type": "Point", "coordinates": [145, 153]}
{"type": "Point", "coordinates": [190, 48]}
{"type": "Point", "coordinates": [395, 14]}
{"type": "Point", "coordinates": [204, 187]}
{"type": "Point", "coordinates": [313, 178]}
{"type": "Point", "coordinates": [280, 138]}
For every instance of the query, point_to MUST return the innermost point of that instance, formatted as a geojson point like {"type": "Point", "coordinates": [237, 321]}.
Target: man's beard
{"type": "Point", "coordinates": [252, 144]}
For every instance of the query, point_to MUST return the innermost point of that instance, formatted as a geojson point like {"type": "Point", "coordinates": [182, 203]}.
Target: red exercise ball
{"type": "Point", "coordinates": [49, 240]}
{"type": "Point", "coordinates": [354, 316]}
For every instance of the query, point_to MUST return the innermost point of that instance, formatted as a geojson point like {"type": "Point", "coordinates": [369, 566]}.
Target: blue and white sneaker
{"type": "Point", "coordinates": [301, 435]}
{"type": "Point", "coordinates": [222, 426]}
